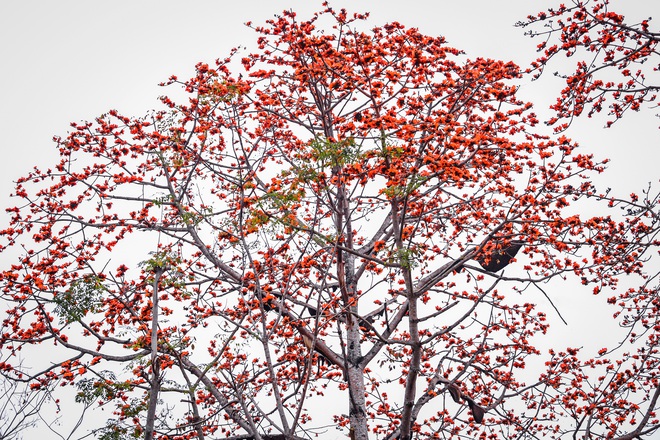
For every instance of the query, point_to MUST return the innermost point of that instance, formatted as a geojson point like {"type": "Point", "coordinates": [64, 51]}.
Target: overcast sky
{"type": "Point", "coordinates": [65, 60]}
{"type": "Point", "coordinates": [68, 60]}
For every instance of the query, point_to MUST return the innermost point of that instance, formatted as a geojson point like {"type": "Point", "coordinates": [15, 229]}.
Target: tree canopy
{"type": "Point", "coordinates": [618, 60]}
{"type": "Point", "coordinates": [363, 216]}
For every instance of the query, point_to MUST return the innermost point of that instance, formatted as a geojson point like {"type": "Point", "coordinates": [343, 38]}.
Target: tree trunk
{"type": "Point", "coordinates": [155, 379]}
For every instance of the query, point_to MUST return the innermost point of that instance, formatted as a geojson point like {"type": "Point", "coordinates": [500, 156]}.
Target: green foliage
{"type": "Point", "coordinates": [327, 153]}
{"type": "Point", "coordinates": [84, 295]}
{"type": "Point", "coordinates": [192, 218]}
{"type": "Point", "coordinates": [160, 201]}
{"type": "Point", "coordinates": [160, 262]}
{"type": "Point", "coordinates": [292, 190]}
{"type": "Point", "coordinates": [106, 389]}
{"type": "Point", "coordinates": [134, 408]}
{"type": "Point", "coordinates": [280, 201]}
{"type": "Point", "coordinates": [408, 258]}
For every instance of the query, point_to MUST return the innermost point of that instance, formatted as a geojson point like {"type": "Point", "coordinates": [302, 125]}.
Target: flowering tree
{"type": "Point", "coordinates": [617, 58]}
{"type": "Point", "coordinates": [356, 216]}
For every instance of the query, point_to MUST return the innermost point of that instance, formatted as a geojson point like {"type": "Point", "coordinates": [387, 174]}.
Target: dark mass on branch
{"type": "Point", "coordinates": [309, 344]}
{"type": "Point", "coordinates": [477, 412]}
{"type": "Point", "coordinates": [500, 258]}
{"type": "Point", "coordinates": [269, 302]}
{"type": "Point", "coordinates": [312, 310]}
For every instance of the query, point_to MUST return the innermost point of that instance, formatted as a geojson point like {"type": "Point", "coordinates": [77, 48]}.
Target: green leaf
{"type": "Point", "coordinates": [84, 295]}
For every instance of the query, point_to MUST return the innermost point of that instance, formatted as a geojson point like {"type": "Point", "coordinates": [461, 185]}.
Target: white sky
{"type": "Point", "coordinates": [71, 60]}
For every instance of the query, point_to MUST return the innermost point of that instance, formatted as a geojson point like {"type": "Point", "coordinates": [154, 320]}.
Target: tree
{"type": "Point", "coordinates": [19, 409]}
{"type": "Point", "coordinates": [616, 63]}
{"type": "Point", "coordinates": [354, 215]}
